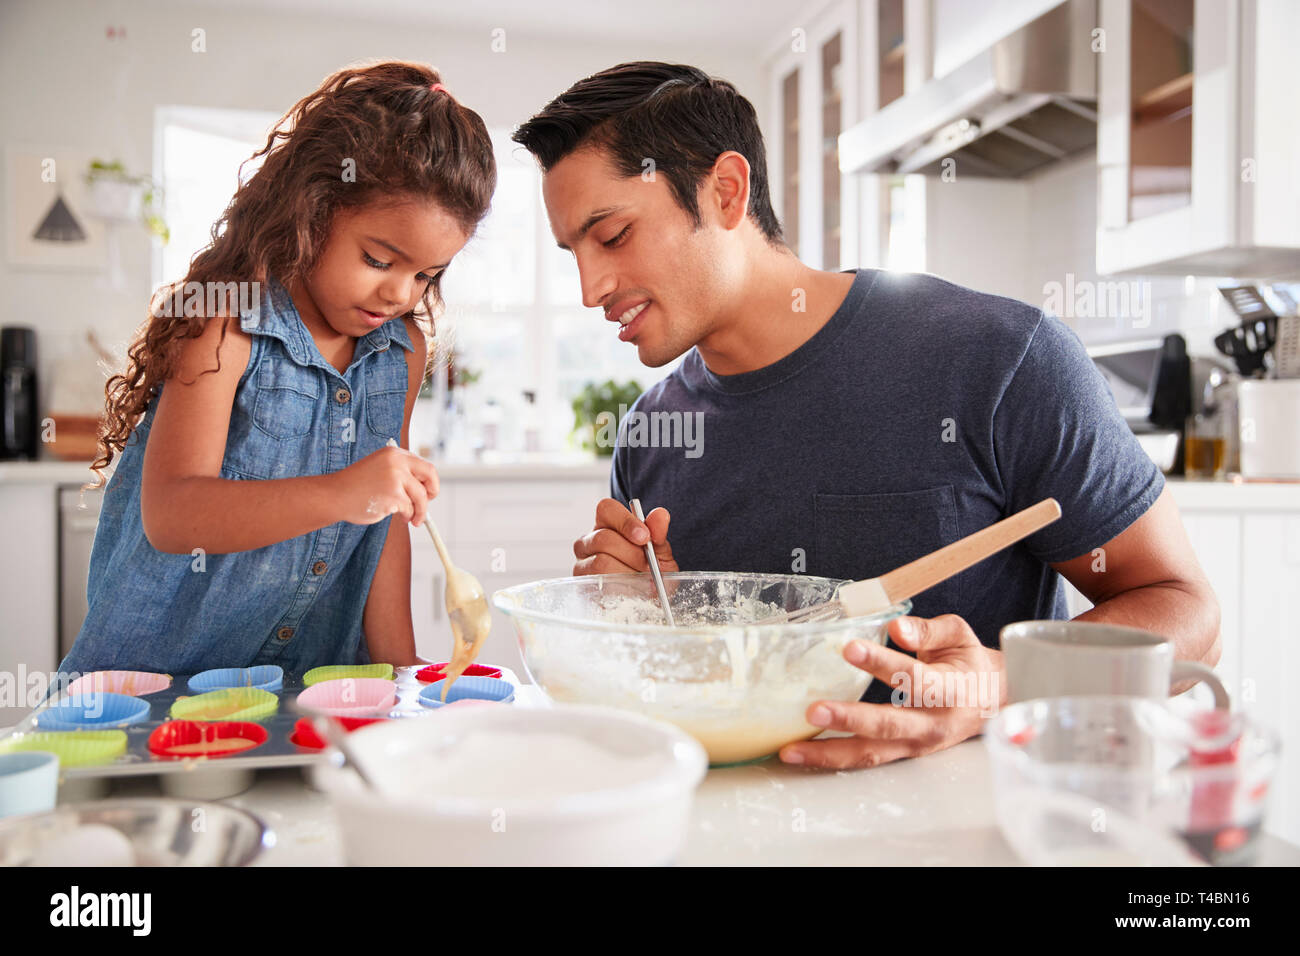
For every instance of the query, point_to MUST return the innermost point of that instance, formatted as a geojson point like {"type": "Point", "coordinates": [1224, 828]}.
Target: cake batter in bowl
{"type": "Point", "coordinates": [740, 688]}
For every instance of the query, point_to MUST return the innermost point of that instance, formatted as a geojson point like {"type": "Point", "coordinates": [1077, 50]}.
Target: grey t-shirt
{"type": "Point", "coordinates": [920, 412]}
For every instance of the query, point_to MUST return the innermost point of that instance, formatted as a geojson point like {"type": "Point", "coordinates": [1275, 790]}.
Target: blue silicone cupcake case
{"type": "Point", "coordinates": [262, 677]}
{"type": "Point", "coordinates": [95, 710]}
{"type": "Point", "coordinates": [469, 688]}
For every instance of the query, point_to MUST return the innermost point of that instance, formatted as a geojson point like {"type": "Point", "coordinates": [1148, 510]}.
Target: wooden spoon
{"type": "Point", "coordinates": [468, 610]}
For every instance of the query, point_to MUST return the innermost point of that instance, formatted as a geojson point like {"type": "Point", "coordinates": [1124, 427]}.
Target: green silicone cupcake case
{"type": "Point", "coordinates": [339, 671]}
{"type": "Point", "coordinates": [231, 703]}
{"type": "Point", "coordinates": [74, 748]}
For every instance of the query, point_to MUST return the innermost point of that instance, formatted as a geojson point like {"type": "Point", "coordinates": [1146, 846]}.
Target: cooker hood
{"type": "Point", "coordinates": [1026, 101]}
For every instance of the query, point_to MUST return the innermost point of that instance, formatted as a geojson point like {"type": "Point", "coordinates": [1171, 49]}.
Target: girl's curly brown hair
{"type": "Point", "coordinates": [375, 132]}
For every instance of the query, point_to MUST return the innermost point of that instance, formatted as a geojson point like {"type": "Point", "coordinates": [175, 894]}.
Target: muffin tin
{"type": "Point", "coordinates": [227, 770]}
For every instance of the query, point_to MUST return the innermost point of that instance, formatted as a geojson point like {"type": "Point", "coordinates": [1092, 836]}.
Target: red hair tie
{"type": "Point", "coordinates": [438, 86]}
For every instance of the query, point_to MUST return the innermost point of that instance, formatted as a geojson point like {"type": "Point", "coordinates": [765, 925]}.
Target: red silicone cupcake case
{"type": "Point", "coordinates": [304, 734]}
{"type": "Point", "coordinates": [436, 672]}
{"type": "Point", "coordinates": [179, 733]}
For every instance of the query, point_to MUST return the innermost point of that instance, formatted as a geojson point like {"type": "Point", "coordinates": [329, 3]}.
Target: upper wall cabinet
{"type": "Point", "coordinates": [1198, 142]}
{"type": "Point", "coordinates": [813, 91]}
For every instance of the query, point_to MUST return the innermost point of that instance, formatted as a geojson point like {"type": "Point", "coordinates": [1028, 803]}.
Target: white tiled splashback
{"type": "Point", "coordinates": [1035, 240]}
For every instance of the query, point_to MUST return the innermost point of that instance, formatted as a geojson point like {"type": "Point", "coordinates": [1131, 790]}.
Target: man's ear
{"type": "Point", "coordinates": [727, 188]}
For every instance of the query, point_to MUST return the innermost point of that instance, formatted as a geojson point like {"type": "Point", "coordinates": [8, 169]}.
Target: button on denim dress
{"type": "Point", "coordinates": [297, 603]}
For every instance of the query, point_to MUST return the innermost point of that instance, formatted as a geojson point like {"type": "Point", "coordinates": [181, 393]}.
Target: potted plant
{"type": "Point", "coordinates": [598, 407]}
{"type": "Point", "coordinates": [118, 196]}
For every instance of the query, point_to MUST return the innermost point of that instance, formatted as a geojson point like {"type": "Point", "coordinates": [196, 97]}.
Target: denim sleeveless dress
{"type": "Point", "coordinates": [297, 603]}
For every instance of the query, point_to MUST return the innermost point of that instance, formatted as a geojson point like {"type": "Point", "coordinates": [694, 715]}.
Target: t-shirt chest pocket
{"type": "Point", "coordinates": [287, 399]}
{"type": "Point", "coordinates": [864, 536]}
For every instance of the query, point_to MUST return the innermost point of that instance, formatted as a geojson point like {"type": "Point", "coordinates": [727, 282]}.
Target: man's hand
{"type": "Point", "coordinates": [617, 544]}
{"type": "Point", "coordinates": [952, 685]}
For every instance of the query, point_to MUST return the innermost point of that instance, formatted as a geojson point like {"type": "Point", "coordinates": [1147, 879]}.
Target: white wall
{"type": "Point", "coordinates": [1015, 237]}
{"type": "Point", "coordinates": [64, 83]}
{"type": "Point", "coordinates": [976, 233]}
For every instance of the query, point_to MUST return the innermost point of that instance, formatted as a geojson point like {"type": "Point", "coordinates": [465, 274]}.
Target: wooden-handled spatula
{"type": "Point", "coordinates": [876, 594]}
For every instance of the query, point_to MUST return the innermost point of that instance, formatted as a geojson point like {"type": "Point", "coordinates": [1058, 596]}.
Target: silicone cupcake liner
{"type": "Point", "coordinates": [490, 689]}
{"type": "Point", "coordinates": [93, 757]}
{"type": "Point", "coordinates": [268, 677]}
{"type": "Point", "coordinates": [351, 696]}
{"type": "Point", "coordinates": [131, 683]}
{"type": "Point", "coordinates": [427, 675]}
{"type": "Point", "coordinates": [467, 702]}
{"type": "Point", "coordinates": [304, 734]}
{"type": "Point", "coordinates": [181, 739]}
{"type": "Point", "coordinates": [339, 671]}
{"type": "Point", "coordinates": [75, 748]}
{"type": "Point", "coordinates": [233, 703]}
{"type": "Point", "coordinates": [92, 711]}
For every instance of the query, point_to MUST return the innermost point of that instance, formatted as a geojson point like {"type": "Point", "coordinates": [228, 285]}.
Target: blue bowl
{"type": "Point", "coordinates": [469, 688]}
{"type": "Point", "coordinates": [93, 711]}
{"type": "Point", "coordinates": [263, 676]}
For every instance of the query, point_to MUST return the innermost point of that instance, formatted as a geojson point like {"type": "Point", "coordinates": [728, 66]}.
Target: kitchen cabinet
{"type": "Point", "coordinates": [825, 75]}
{"type": "Point", "coordinates": [1269, 650]}
{"type": "Point", "coordinates": [1197, 139]}
{"type": "Point", "coordinates": [815, 92]}
{"type": "Point", "coordinates": [28, 589]}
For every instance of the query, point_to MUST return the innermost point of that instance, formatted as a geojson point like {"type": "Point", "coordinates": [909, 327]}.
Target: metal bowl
{"type": "Point", "coordinates": [739, 687]}
{"type": "Point", "coordinates": [162, 832]}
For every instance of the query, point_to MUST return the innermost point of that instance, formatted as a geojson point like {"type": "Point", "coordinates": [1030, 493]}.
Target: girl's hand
{"type": "Point", "coordinates": [389, 481]}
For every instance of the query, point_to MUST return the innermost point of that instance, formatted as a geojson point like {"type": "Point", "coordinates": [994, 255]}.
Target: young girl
{"type": "Point", "coordinates": [246, 521]}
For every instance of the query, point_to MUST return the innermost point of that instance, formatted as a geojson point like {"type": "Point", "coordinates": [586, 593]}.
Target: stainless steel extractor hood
{"type": "Point", "coordinates": [1027, 101]}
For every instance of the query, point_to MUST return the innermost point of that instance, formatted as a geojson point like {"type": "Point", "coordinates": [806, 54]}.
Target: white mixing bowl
{"type": "Point", "coordinates": [506, 786]}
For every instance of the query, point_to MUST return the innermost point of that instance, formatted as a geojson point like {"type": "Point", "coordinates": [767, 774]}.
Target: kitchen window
{"type": "Point", "coordinates": [197, 155]}
{"type": "Point", "coordinates": [515, 313]}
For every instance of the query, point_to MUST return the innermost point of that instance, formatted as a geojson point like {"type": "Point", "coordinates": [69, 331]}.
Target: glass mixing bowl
{"type": "Point", "coordinates": [739, 687]}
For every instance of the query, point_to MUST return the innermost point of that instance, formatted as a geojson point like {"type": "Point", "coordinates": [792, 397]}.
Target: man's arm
{"type": "Point", "coordinates": [1148, 577]}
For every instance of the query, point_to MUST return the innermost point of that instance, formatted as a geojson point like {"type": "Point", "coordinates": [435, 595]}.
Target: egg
{"type": "Point", "coordinates": [91, 844]}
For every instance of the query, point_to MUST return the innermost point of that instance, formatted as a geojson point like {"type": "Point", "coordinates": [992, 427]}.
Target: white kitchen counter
{"type": "Point", "coordinates": [50, 472]}
{"type": "Point", "coordinates": [931, 811]}
{"type": "Point", "coordinates": [1235, 496]}
{"type": "Point", "coordinates": [524, 468]}
{"type": "Point", "coordinates": [1238, 495]}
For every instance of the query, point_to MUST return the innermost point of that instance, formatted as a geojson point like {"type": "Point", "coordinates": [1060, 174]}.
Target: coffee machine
{"type": "Point", "coordinates": [18, 413]}
{"type": "Point", "coordinates": [1151, 380]}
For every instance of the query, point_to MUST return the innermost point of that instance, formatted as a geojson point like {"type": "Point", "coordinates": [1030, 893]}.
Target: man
{"type": "Point", "coordinates": [851, 421]}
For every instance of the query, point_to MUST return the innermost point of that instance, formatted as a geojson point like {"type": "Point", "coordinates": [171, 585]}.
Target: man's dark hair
{"type": "Point", "coordinates": [676, 115]}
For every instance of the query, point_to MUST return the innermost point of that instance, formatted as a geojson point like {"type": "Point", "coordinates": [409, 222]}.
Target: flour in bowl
{"type": "Point", "coordinates": [498, 764]}
{"type": "Point", "coordinates": [628, 609]}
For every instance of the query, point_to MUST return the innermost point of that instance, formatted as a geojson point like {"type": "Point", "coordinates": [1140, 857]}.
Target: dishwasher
{"type": "Point", "coordinates": [78, 517]}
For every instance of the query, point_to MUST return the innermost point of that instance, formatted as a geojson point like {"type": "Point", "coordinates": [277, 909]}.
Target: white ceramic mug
{"type": "Point", "coordinates": [1077, 658]}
